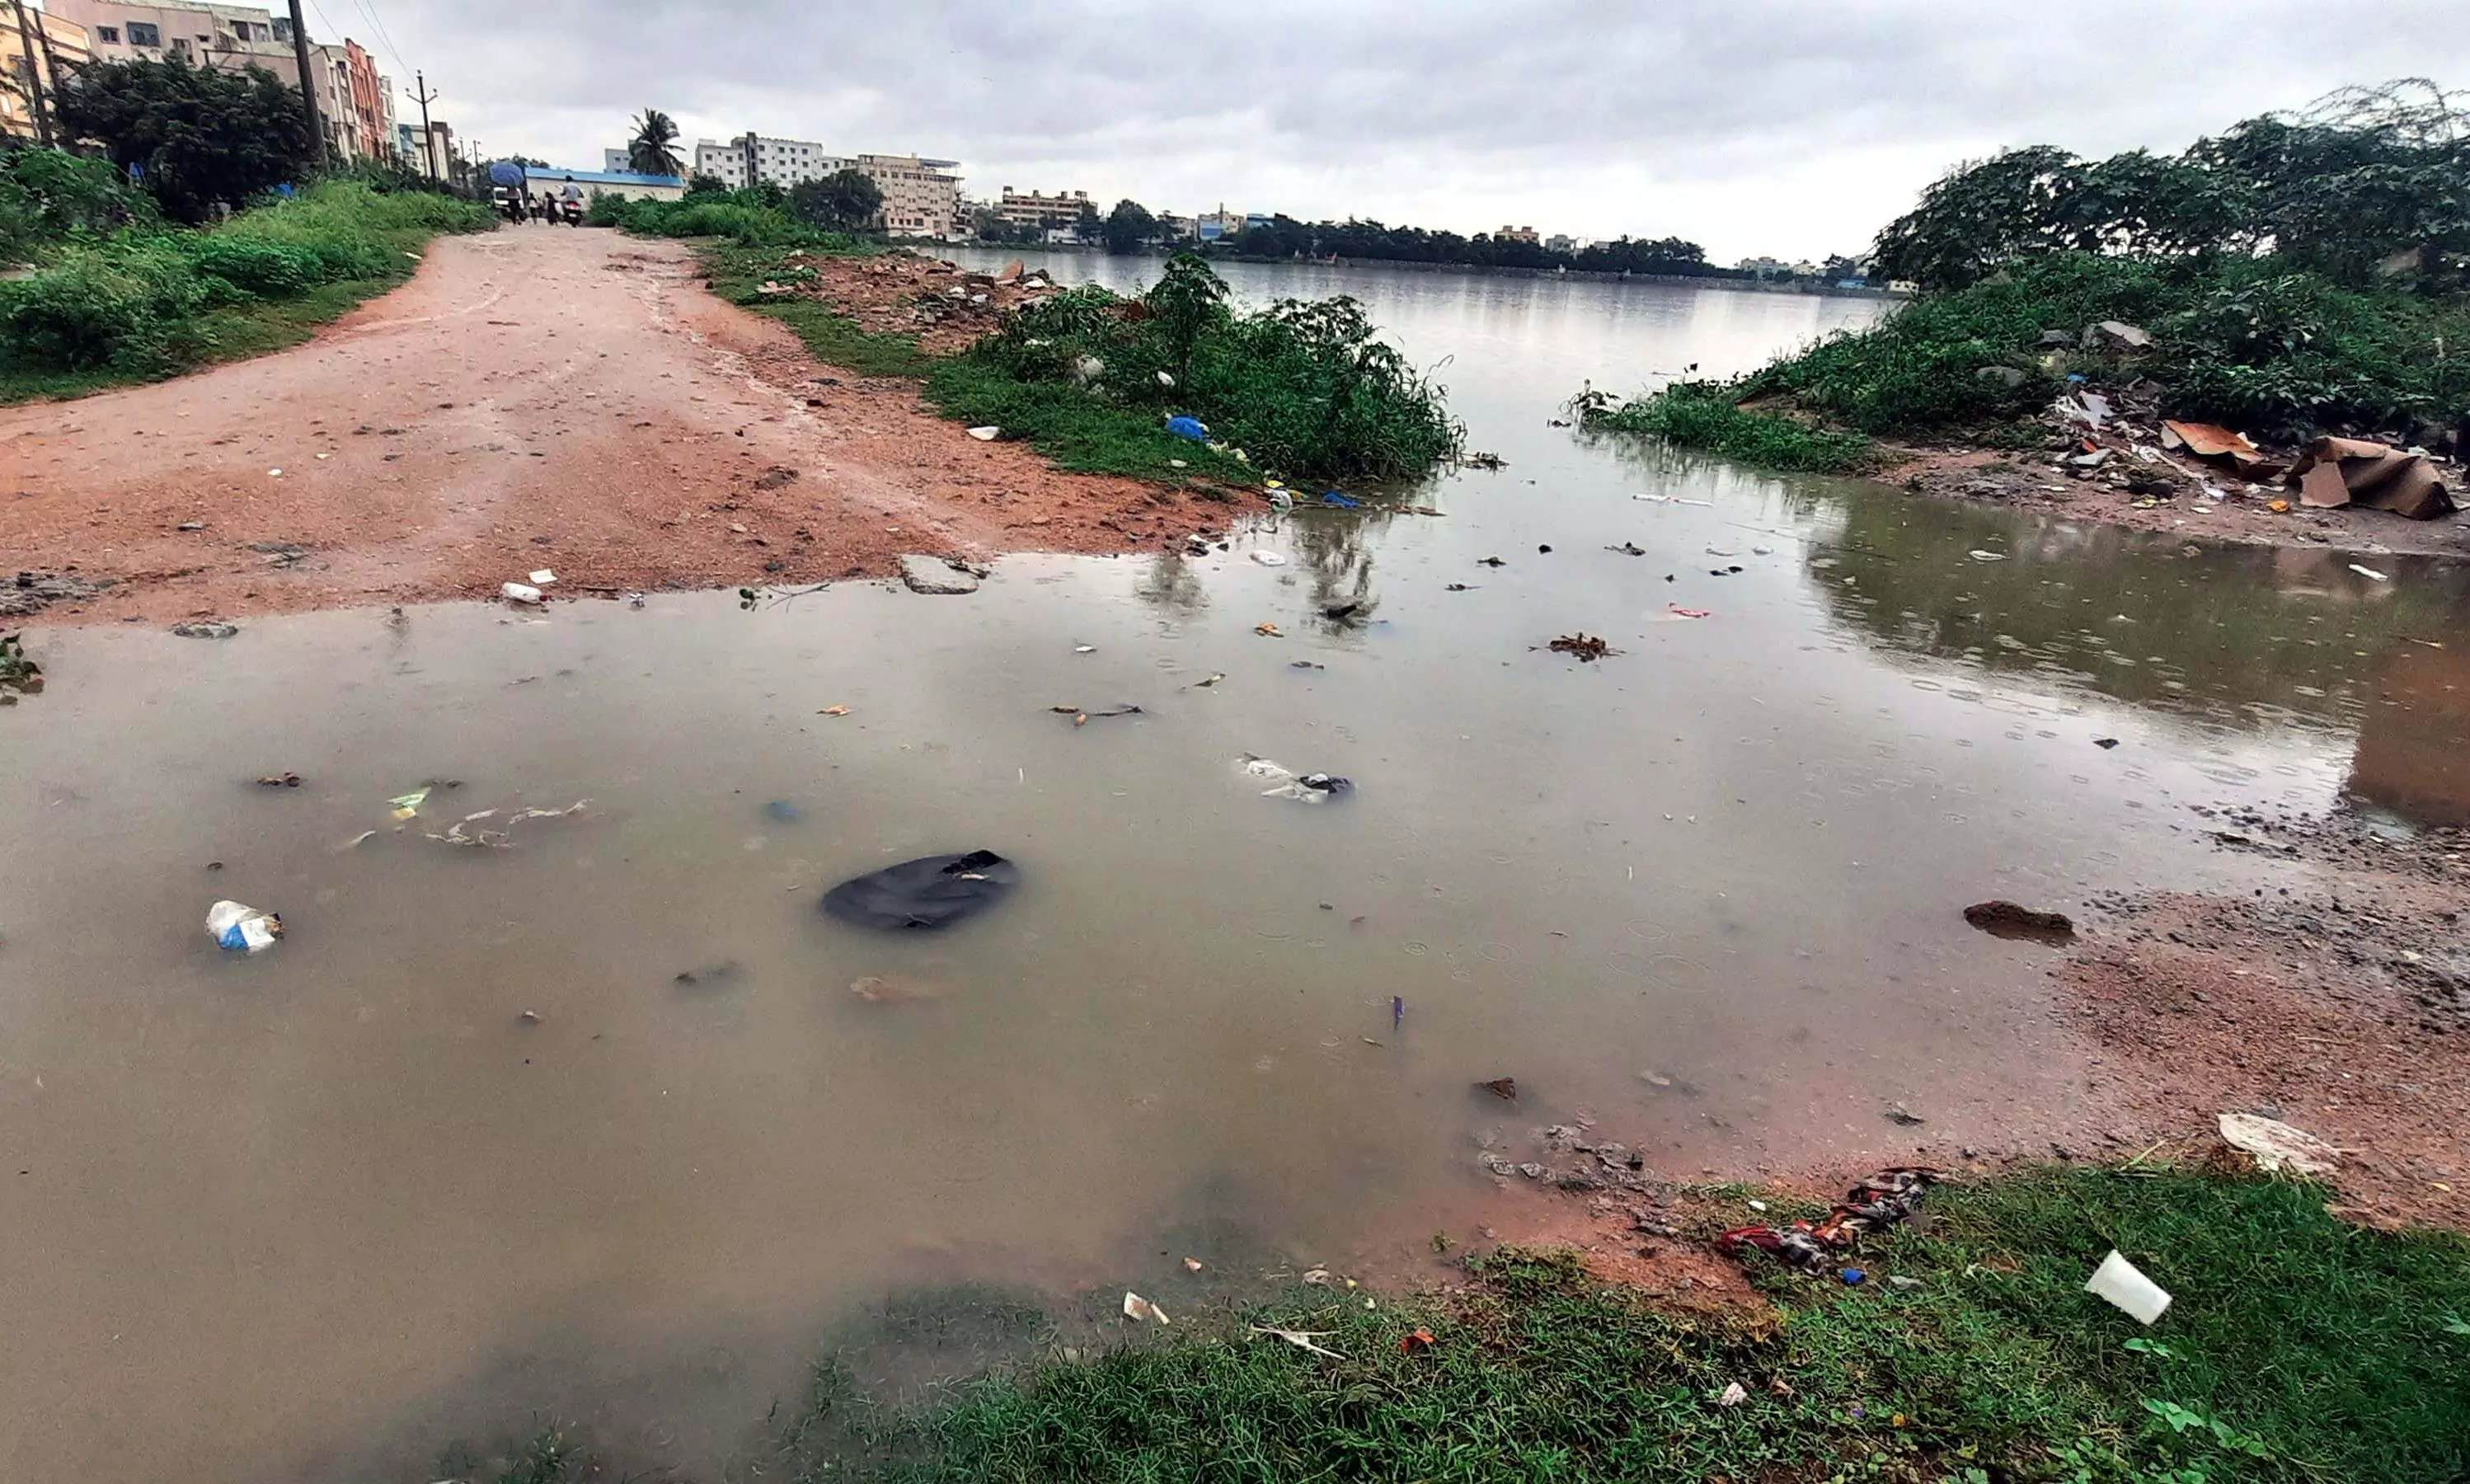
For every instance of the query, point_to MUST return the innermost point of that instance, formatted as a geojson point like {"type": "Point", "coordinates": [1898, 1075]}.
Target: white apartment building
{"type": "Point", "coordinates": [219, 35]}
{"type": "Point", "coordinates": [783, 162]}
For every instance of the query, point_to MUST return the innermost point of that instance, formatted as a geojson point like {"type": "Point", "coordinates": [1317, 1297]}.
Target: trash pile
{"type": "Point", "coordinates": [1882, 1201]}
{"type": "Point", "coordinates": [1303, 788]}
{"type": "Point", "coordinates": [2119, 438]}
{"type": "Point", "coordinates": [946, 307]}
{"type": "Point", "coordinates": [1572, 1159]}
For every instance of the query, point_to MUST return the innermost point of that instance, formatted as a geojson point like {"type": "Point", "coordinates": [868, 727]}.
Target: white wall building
{"type": "Point", "coordinates": [783, 162]}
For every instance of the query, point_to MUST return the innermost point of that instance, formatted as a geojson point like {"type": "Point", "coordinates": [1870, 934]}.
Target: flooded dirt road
{"type": "Point", "coordinates": [310, 1214]}
{"type": "Point", "coordinates": [533, 398]}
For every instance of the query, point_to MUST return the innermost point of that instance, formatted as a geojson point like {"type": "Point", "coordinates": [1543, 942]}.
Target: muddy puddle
{"type": "Point", "coordinates": [311, 1214]}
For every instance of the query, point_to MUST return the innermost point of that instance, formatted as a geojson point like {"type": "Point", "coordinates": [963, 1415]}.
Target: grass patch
{"type": "Point", "coordinates": [147, 302]}
{"type": "Point", "coordinates": [1703, 415]}
{"type": "Point", "coordinates": [2300, 1348]}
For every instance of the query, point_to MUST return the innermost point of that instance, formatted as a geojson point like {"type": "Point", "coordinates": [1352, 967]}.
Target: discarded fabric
{"type": "Point", "coordinates": [1882, 1201]}
{"type": "Point", "coordinates": [1191, 427]}
{"type": "Point", "coordinates": [243, 929]}
{"type": "Point", "coordinates": [1342, 501]}
{"type": "Point", "coordinates": [929, 893]}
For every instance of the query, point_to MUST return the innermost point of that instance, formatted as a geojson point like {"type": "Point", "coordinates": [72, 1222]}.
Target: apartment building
{"type": "Point", "coordinates": [921, 196]}
{"type": "Point", "coordinates": [432, 156]}
{"type": "Point", "coordinates": [783, 162]}
{"type": "Point", "coordinates": [1041, 213]}
{"type": "Point", "coordinates": [217, 36]}
{"type": "Point", "coordinates": [1518, 234]}
{"type": "Point", "coordinates": [59, 43]}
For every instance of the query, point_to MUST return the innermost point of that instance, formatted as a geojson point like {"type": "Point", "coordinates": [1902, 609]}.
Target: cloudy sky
{"type": "Point", "coordinates": [1787, 127]}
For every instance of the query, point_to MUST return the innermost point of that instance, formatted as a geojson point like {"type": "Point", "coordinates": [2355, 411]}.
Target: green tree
{"type": "Point", "coordinates": [1089, 226]}
{"type": "Point", "coordinates": [197, 137]}
{"type": "Point", "coordinates": [701, 184]}
{"type": "Point", "coordinates": [845, 200]}
{"type": "Point", "coordinates": [650, 151]}
{"type": "Point", "coordinates": [1129, 227]}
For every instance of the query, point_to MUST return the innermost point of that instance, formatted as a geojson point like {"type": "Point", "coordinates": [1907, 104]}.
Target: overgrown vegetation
{"type": "Point", "coordinates": [1305, 391]}
{"type": "Point", "coordinates": [1704, 415]}
{"type": "Point", "coordinates": [200, 137]}
{"type": "Point", "coordinates": [2297, 276]}
{"type": "Point", "coordinates": [2298, 1349]}
{"type": "Point", "coordinates": [118, 295]}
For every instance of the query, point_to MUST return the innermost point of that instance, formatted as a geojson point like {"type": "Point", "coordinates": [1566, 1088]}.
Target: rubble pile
{"type": "Point", "coordinates": [946, 307]}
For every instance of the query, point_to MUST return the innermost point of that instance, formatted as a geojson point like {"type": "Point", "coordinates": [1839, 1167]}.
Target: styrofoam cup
{"type": "Point", "coordinates": [2123, 1285]}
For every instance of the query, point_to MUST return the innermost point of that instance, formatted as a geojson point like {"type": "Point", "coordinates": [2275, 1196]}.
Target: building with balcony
{"type": "Point", "coordinates": [58, 43]}
{"type": "Point", "coordinates": [783, 162]}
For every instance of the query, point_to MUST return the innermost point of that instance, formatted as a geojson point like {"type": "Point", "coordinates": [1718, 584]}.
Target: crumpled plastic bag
{"type": "Point", "coordinates": [243, 929]}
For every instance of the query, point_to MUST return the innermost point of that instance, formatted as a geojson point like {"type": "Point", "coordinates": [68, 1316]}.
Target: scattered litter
{"type": "Point", "coordinates": [1655, 1078]}
{"type": "Point", "coordinates": [193, 526]}
{"type": "Point", "coordinates": [1505, 1088]}
{"type": "Point", "coordinates": [357, 840]}
{"type": "Point", "coordinates": [931, 892]}
{"type": "Point", "coordinates": [1268, 630]}
{"type": "Point", "coordinates": [1281, 500]}
{"type": "Point", "coordinates": [406, 805]}
{"type": "Point", "coordinates": [1900, 1280]}
{"type": "Point", "coordinates": [1319, 1277]}
{"type": "Point", "coordinates": [834, 710]}
{"type": "Point", "coordinates": [2277, 507]}
{"type": "Point", "coordinates": [1192, 1265]}
{"type": "Point", "coordinates": [1191, 427]}
{"type": "Point", "coordinates": [2369, 572]}
{"type": "Point", "coordinates": [1492, 561]}
{"type": "Point", "coordinates": [2277, 1146]}
{"type": "Point", "coordinates": [1459, 587]}
{"type": "Point", "coordinates": [1080, 717]}
{"type": "Point", "coordinates": [543, 578]}
{"type": "Point", "coordinates": [1734, 1395]}
{"type": "Point", "coordinates": [986, 434]}
{"type": "Point", "coordinates": [1724, 572]}
{"type": "Point", "coordinates": [1085, 649]}
{"type": "Point", "coordinates": [634, 600]}
{"type": "Point", "coordinates": [1339, 613]}
{"type": "Point", "coordinates": [1138, 1308]}
{"type": "Point", "coordinates": [1204, 684]}
{"type": "Point", "coordinates": [1482, 461]}
{"type": "Point", "coordinates": [2104, 743]}
{"type": "Point", "coordinates": [1397, 1008]}
{"type": "Point", "coordinates": [2119, 1281]}
{"type": "Point", "coordinates": [1417, 1343]}
{"type": "Point", "coordinates": [518, 592]}
{"type": "Point", "coordinates": [279, 780]}
{"type": "Point", "coordinates": [2007, 919]}
{"type": "Point", "coordinates": [1675, 499]}
{"type": "Point", "coordinates": [276, 473]}
{"type": "Point", "coordinates": [1882, 1201]}
{"type": "Point", "coordinates": [1987, 556]}
{"type": "Point", "coordinates": [894, 989]}
{"type": "Point", "coordinates": [210, 629]}
{"type": "Point", "coordinates": [1306, 788]}
{"type": "Point", "coordinates": [1902, 1116]}
{"type": "Point", "coordinates": [1678, 611]}
{"type": "Point", "coordinates": [1342, 501]}
{"type": "Point", "coordinates": [1269, 559]}
{"type": "Point", "coordinates": [1628, 548]}
{"type": "Point", "coordinates": [1853, 1277]}
{"type": "Point", "coordinates": [1585, 646]}
{"type": "Point", "coordinates": [1301, 1340]}
{"type": "Point", "coordinates": [530, 1017]}
{"type": "Point", "coordinates": [243, 929]}
{"type": "Point", "coordinates": [456, 833]}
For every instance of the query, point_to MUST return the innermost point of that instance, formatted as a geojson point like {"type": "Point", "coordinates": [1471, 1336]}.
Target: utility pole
{"type": "Point", "coordinates": [428, 136]}
{"type": "Point", "coordinates": [307, 84]}
{"type": "Point", "coordinates": [34, 77]}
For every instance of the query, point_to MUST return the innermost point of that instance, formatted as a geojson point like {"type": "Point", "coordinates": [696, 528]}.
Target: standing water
{"type": "Point", "coordinates": [595, 1124]}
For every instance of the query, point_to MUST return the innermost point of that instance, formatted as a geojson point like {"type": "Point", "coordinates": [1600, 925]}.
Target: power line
{"type": "Point", "coordinates": [371, 11]}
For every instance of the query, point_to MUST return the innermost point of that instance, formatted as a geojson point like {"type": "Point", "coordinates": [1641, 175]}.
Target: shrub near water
{"type": "Point", "coordinates": [1304, 388]}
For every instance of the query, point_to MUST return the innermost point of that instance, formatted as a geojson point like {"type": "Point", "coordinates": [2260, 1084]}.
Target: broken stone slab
{"type": "Point", "coordinates": [937, 577]}
{"type": "Point", "coordinates": [208, 630]}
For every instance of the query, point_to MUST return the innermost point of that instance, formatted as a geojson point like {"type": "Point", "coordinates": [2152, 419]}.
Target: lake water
{"type": "Point", "coordinates": [310, 1214]}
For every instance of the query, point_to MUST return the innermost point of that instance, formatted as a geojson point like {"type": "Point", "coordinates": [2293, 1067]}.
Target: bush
{"type": "Point", "coordinates": [48, 196]}
{"type": "Point", "coordinates": [1703, 415]}
{"type": "Point", "coordinates": [1304, 388]}
{"type": "Point", "coordinates": [99, 307]}
{"type": "Point", "coordinates": [743, 217]}
{"type": "Point", "coordinates": [271, 269]}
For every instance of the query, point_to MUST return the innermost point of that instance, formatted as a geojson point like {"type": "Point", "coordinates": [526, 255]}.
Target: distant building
{"type": "Point", "coordinates": [1520, 234]}
{"type": "Point", "coordinates": [435, 156]}
{"type": "Point", "coordinates": [1765, 267]}
{"type": "Point", "coordinates": [783, 162]}
{"type": "Point", "coordinates": [1040, 213]}
{"type": "Point", "coordinates": [1561, 242]}
{"type": "Point", "coordinates": [920, 197]}
{"type": "Point", "coordinates": [554, 181]}
{"type": "Point", "coordinates": [1172, 228]}
{"type": "Point", "coordinates": [57, 42]}
{"type": "Point", "coordinates": [618, 159]}
{"type": "Point", "coordinates": [1211, 226]}
{"type": "Point", "coordinates": [229, 36]}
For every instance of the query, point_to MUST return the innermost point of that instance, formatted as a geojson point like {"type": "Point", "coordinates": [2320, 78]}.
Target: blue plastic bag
{"type": "Point", "coordinates": [1191, 427]}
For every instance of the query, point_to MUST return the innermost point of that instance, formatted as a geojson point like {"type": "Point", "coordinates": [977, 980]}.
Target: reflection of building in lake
{"type": "Point", "coordinates": [2413, 755]}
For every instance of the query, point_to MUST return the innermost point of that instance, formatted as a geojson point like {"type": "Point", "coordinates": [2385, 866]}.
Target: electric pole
{"type": "Point", "coordinates": [307, 84]}
{"type": "Point", "coordinates": [34, 76]}
{"type": "Point", "coordinates": [428, 136]}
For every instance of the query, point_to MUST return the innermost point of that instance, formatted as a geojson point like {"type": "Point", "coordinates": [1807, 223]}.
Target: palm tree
{"type": "Point", "coordinates": [648, 152]}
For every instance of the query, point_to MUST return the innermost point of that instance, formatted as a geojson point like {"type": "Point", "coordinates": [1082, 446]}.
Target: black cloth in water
{"type": "Point", "coordinates": [931, 892]}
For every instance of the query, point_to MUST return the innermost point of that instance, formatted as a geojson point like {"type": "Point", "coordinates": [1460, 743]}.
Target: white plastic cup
{"type": "Point", "coordinates": [518, 593]}
{"type": "Point", "coordinates": [2123, 1285]}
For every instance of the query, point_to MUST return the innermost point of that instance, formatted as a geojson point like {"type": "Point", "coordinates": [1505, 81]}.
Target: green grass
{"type": "Point", "coordinates": [1064, 424]}
{"type": "Point", "coordinates": [2298, 1349]}
{"type": "Point", "coordinates": [148, 302]}
{"type": "Point", "coordinates": [1702, 415]}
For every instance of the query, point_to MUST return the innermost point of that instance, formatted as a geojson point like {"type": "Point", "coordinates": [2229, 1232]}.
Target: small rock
{"type": "Point", "coordinates": [1903, 1116]}
{"type": "Point", "coordinates": [208, 630]}
{"type": "Point", "coordinates": [936, 577]}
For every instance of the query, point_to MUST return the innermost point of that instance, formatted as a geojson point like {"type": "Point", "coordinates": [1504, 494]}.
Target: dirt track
{"type": "Point", "coordinates": [535, 397]}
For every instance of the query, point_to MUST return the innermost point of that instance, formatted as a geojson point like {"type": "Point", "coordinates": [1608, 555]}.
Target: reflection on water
{"type": "Point", "coordinates": [294, 1217]}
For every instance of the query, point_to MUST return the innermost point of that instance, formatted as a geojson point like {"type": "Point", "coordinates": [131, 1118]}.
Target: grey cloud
{"type": "Point", "coordinates": [1773, 125]}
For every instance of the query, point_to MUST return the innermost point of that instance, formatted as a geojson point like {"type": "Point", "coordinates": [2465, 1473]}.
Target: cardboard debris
{"type": "Point", "coordinates": [2338, 472]}
{"type": "Point", "coordinates": [2219, 446]}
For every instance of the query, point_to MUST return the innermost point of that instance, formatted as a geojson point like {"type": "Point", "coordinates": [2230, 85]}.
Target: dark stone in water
{"type": "Point", "coordinates": [931, 892]}
{"type": "Point", "coordinates": [2006, 920]}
